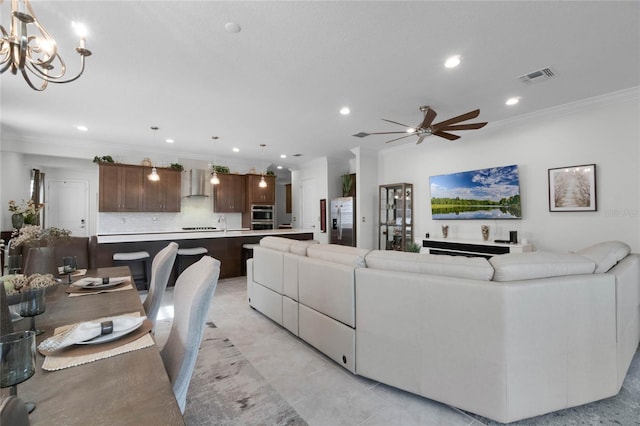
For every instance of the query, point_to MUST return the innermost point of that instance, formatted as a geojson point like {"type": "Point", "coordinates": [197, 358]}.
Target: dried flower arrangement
{"type": "Point", "coordinates": [36, 236]}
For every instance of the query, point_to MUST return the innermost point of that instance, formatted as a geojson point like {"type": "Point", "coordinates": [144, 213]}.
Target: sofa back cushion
{"type": "Point", "coordinates": [345, 255]}
{"type": "Point", "coordinates": [527, 266]}
{"type": "Point", "coordinates": [477, 268]}
{"type": "Point", "coordinates": [300, 247]}
{"type": "Point", "coordinates": [276, 243]}
{"type": "Point", "coordinates": [606, 254]}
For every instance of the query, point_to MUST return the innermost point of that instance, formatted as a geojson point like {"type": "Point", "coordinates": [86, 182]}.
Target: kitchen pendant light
{"type": "Point", "coordinates": [154, 176]}
{"type": "Point", "coordinates": [263, 183]}
{"type": "Point", "coordinates": [214, 176]}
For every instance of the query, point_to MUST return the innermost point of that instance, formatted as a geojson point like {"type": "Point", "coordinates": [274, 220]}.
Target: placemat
{"type": "Point", "coordinates": [79, 291]}
{"type": "Point", "coordinates": [84, 354]}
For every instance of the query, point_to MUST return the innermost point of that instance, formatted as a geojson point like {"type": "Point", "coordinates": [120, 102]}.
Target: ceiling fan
{"type": "Point", "coordinates": [425, 128]}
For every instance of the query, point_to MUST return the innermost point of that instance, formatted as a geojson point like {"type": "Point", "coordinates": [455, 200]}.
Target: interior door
{"type": "Point", "coordinates": [308, 201]}
{"type": "Point", "coordinates": [67, 206]}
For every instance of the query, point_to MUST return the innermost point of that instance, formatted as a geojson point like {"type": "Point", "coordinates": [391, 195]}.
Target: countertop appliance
{"type": "Point", "coordinates": [263, 216]}
{"type": "Point", "coordinates": [343, 224]}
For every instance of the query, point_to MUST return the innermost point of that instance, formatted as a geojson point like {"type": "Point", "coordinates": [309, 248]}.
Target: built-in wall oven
{"type": "Point", "coordinates": [263, 216]}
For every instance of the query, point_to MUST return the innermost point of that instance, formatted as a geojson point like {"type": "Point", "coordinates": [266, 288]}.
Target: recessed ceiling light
{"type": "Point", "coordinates": [452, 61]}
{"type": "Point", "coordinates": [512, 101]}
{"type": "Point", "coordinates": [345, 111]}
{"type": "Point", "coordinates": [283, 155]}
{"type": "Point", "coordinates": [169, 141]}
{"type": "Point", "coordinates": [279, 167]}
{"type": "Point", "coordinates": [82, 128]}
{"type": "Point", "coordinates": [236, 149]}
{"type": "Point", "coordinates": [232, 27]}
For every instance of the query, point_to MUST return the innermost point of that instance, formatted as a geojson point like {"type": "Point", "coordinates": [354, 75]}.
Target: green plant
{"type": "Point", "coordinates": [220, 169]}
{"type": "Point", "coordinates": [347, 183]}
{"type": "Point", "coordinates": [104, 159]}
{"type": "Point", "coordinates": [413, 247]}
{"type": "Point", "coordinates": [270, 173]}
{"type": "Point", "coordinates": [176, 166]}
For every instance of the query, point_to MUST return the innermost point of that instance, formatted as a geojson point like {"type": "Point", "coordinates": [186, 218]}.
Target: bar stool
{"type": "Point", "coordinates": [138, 263]}
{"type": "Point", "coordinates": [247, 253]}
{"type": "Point", "coordinates": [188, 252]}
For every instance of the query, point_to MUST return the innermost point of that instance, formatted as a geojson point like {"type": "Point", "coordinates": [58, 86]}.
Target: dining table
{"type": "Point", "coordinates": [123, 389]}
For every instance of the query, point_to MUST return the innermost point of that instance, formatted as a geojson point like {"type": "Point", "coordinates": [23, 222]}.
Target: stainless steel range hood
{"type": "Point", "coordinates": [198, 183]}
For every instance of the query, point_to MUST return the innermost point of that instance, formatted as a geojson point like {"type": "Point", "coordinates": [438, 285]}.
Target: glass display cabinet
{"type": "Point", "coordinates": [396, 203]}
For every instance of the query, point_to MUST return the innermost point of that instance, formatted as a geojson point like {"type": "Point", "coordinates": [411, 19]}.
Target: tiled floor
{"type": "Point", "coordinates": [322, 392]}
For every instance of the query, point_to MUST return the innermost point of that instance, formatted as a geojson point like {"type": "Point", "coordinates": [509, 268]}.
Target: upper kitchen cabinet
{"type": "Point", "coordinates": [121, 188]}
{"type": "Point", "coordinates": [257, 195]}
{"type": "Point", "coordinates": [229, 194]}
{"type": "Point", "coordinates": [162, 195]}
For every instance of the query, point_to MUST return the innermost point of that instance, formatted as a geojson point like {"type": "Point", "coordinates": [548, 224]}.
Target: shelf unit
{"type": "Point", "coordinates": [396, 203]}
{"type": "Point", "coordinates": [485, 249]}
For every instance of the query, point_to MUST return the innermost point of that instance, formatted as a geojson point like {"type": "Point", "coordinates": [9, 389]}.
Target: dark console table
{"type": "Point", "coordinates": [485, 249]}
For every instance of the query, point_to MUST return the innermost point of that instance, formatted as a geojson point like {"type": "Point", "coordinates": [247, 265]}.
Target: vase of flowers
{"type": "Point", "coordinates": [40, 257]}
{"type": "Point", "coordinates": [26, 212]}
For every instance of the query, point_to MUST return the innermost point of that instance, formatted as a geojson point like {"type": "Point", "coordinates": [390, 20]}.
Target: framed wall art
{"type": "Point", "coordinates": [572, 189]}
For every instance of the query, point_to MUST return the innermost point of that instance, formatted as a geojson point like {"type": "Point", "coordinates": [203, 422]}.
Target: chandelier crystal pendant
{"type": "Point", "coordinates": [28, 48]}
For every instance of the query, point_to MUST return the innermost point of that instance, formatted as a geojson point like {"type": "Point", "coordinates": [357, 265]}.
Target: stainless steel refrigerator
{"type": "Point", "coordinates": [343, 223]}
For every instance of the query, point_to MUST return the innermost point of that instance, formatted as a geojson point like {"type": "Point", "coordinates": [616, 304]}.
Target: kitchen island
{"type": "Point", "coordinates": [226, 246]}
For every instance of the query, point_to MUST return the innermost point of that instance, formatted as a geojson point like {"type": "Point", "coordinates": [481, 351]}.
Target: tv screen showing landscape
{"type": "Point", "coordinates": [477, 194]}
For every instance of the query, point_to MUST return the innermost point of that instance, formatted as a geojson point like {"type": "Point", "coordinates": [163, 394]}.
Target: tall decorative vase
{"type": "Point", "coordinates": [17, 220]}
{"type": "Point", "coordinates": [41, 260]}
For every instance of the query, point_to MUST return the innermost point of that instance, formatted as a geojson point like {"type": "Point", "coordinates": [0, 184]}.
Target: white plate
{"type": "Point", "coordinates": [112, 336]}
{"type": "Point", "coordinates": [91, 283]}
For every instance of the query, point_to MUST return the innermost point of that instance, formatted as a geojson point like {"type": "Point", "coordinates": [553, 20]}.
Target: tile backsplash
{"type": "Point", "coordinates": [194, 212]}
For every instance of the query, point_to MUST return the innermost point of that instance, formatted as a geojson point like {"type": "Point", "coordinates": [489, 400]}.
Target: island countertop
{"type": "Point", "coordinates": [129, 237]}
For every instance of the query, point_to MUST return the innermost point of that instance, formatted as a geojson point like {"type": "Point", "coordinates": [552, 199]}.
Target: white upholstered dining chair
{"type": "Point", "coordinates": [192, 297]}
{"type": "Point", "coordinates": [160, 271]}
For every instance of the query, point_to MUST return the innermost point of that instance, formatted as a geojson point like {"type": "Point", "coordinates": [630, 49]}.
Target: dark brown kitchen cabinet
{"type": "Point", "coordinates": [257, 195]}
{"type": "Point", "coordinates": [121, 188]}
{"type": "Point", "coordinates": [229, 194]}
{"type": "Point", "coordinates": [162, 195]}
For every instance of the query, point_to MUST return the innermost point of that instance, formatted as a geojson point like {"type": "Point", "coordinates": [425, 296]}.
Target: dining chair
{"type": "Point", "coordinates": [160, 271]}
{"type": "Point", "coordinates": [192, 296]}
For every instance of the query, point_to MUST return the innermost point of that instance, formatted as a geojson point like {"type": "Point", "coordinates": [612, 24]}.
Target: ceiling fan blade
{"type": "Point", "coordinates": [469, 126]}
{"type": "Point", "coordinates": [429, 116]}
{"type": "Point", "coordinates": [420, 139]}
{"type": "Point", "coordinates": [402, 137]}
{"type": "Point", "coordinates": [463, 117]}
{"type": "Point", "coordinates": [446, 135]}
{"type": "Point", "coordinates": [386, 133]}
{"type": "Point", "coordinates": [395, 122]}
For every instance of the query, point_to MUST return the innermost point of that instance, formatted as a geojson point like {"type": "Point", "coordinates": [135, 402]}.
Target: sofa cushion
{"type": "Point", "coordinates": [452, 266]}
{"type": "Point", "coordinates": [345, 255]}
{"type": "Point", "coordinates": [527, 266]}
{"type": "Point", "coordinates": [606, 254]}
{"type": "Point", "coordinates": [300, 247]}
{"type": "Point", "coordinates": [276, 243]}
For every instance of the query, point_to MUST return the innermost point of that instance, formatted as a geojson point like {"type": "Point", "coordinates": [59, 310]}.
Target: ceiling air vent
{"type": "Point", "coordinates": [537, 76]}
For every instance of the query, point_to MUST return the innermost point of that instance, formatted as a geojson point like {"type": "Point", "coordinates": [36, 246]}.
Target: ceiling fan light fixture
{"type": "Point", "coordinates": [411, 130]}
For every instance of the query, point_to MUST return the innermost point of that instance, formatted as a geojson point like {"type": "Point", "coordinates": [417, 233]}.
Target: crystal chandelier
{"type": "Point", "coordinates": [35, 54]}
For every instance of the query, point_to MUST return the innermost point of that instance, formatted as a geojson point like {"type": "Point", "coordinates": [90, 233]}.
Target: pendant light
{"type": "Point", "coordinates": [154, 176]}
{"type": "Point", "coordinates": [214, 176]}
{"type": "Point", "coordinates": [263, 183]}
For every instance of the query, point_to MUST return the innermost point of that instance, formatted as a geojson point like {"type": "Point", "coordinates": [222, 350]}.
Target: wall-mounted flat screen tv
{"type": "Point", "coordinates": [477, 194]}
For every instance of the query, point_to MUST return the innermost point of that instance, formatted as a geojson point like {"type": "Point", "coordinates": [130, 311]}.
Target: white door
{"type": "Point", "coordinates": [309, 209]}
{"type": "Point", "coordinates": [67, 204]}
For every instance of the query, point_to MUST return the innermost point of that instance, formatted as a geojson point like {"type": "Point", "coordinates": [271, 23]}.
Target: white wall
{"type": "Point", "coordinates": [604, 131]}
{"type": "Point", "coordinates": [315, 170]}
{"type": "Point", "coordinates": [366, 169]}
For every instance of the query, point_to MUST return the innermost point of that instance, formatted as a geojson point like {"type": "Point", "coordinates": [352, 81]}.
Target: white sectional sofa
{"type": "Point", "coordinates": [512, 337]}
